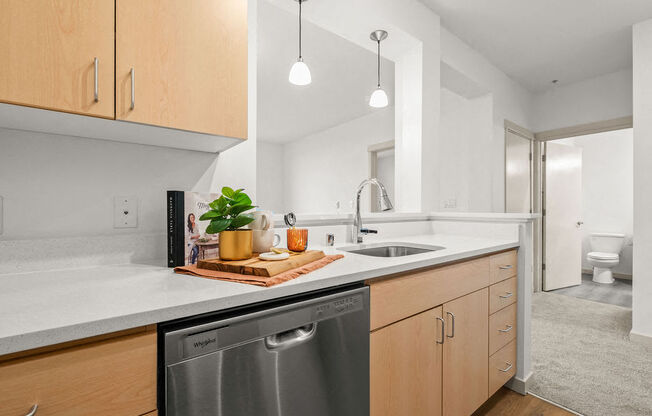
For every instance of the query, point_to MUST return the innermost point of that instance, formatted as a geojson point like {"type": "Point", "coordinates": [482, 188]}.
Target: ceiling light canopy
{"type": "Point", "coordinates": [378, 98]}
{"type": "Point", "coordinates": [300, 73]}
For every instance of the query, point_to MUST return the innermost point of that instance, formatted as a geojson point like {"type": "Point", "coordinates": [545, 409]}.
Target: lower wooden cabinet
{"type": "Point", "coordinates": [465, 375]}
{"type": "Point", "coordinates": [406, 366]}
{"type": "Point", "coordinates": [442, 340]}
{"type": "Point", "coordinates": [114, 376]}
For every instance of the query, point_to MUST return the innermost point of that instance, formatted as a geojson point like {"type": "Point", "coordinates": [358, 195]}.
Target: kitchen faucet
{"type": "Point", "coordinates": [383, 203]}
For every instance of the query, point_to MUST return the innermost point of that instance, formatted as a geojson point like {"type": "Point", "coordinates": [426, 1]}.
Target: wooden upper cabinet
{"type": "Point", "coordinates": [406, 366]}
{"type": "Point", "coordinates": [48, 49]}
{"type": "Point", "coordinates": [183, 64]}
{"type": "Point", "coordinates": [466, 377]}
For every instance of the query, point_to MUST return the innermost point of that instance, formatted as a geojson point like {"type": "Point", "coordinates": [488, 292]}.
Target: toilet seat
{"type": "Point", "coordinates": [597, 255]}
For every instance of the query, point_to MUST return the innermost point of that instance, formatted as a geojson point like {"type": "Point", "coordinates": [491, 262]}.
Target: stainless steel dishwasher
{"type": "Point", "coordinates": [306, 357]}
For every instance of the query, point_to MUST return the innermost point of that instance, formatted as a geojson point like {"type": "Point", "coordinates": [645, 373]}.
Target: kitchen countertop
{"type": "Point", "coordinates": [45, 308]}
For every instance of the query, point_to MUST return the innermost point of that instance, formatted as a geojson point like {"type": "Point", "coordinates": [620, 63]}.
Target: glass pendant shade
{"type": "Point", "coordinates": [300, 74]}
{"type": "Point", "coordinates": [378, 99]}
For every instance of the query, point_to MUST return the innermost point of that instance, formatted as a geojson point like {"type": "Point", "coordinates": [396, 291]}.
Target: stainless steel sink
{"type": "Point", "coordinates": [391, 249]}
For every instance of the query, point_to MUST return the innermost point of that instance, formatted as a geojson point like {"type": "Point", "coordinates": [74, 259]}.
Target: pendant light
{"type": "Point", "coordinates": [299, 73]}
{"type": "Point", "coordinates": [378, 98]}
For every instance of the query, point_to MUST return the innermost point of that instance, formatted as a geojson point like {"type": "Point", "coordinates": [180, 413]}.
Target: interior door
{"type": "Point", "coordinates": [563, 216]}
{"type": "Point", "coordinates": [518, 173]}
{"type": "Point", "coordinates": [183, 64]}
{"type": "Point", "coordinates": [406, 366]}
{"type": "Point", "coordinates": [466, 354]}
{"type": "Point", "coordinates": [48, 51]}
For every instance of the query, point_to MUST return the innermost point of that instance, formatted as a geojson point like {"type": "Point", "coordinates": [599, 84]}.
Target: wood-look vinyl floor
{"type": "Point", "coordinates": [508, 403]}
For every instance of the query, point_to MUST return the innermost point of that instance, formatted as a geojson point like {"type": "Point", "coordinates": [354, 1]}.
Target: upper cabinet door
{"type": "Point", "coordinates": [48, 51]}
{"type": "Point", "coordinates": [466, 353]}
{"type": "Point", "coordinates": [183, 64]}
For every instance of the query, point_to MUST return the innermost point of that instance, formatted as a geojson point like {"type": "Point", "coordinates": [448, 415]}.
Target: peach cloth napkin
{"type": "Point", "coordinates": [192, 270]}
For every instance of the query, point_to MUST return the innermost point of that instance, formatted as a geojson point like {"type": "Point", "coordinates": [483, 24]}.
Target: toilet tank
{"type": "Point", "coordinates": [607, 242]}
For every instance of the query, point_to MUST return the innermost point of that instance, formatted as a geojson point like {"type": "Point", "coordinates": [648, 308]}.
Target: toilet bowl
{"type": "Point", "coordinates": [605, 255]}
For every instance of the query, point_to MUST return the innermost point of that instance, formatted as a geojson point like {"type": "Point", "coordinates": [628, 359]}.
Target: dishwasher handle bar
{"type": "Point", "coordinates": [288, 339]}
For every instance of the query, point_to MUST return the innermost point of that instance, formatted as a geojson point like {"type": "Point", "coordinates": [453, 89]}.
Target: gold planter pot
{"type": "Point", "coordinates": [236, 245]}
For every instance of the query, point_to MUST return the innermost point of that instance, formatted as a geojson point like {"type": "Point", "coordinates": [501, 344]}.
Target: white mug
{"type": "Point", "coordinates": [262, 220]}
{"type": "Point", "coordinates": [264, 240]}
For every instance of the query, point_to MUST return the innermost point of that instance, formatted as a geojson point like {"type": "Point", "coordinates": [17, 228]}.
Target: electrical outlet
{"type": "Point", "coordinates": [125, 212]}
{"type": "Point", "coordinates": [451, 203]}
{"type": "Point", "coordinates": [2, 215]}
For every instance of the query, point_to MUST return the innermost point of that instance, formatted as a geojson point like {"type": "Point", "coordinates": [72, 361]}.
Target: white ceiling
{"type": "Point", "coordinates": [536, 41]}
{"type": "Point", "coordinates": [343, 77]}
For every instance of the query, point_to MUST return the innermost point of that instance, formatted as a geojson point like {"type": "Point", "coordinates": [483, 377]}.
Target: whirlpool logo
{"type": "Point", "coordinates": [204, 343]}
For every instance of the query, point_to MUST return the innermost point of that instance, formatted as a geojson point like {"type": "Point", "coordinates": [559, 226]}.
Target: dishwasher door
{"type": "Point", "coordinates": [305, 358]}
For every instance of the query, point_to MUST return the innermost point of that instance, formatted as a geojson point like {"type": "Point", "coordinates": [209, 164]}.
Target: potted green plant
{"type": "Point", "coordinates": [227, 216]}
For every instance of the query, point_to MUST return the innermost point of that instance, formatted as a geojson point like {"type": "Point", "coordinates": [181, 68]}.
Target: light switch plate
{"type": "Point", "coordinates": [125, 212]}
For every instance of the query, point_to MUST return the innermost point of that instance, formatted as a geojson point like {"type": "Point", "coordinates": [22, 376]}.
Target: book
{"type": "Point", "coordinates": [187, 238]}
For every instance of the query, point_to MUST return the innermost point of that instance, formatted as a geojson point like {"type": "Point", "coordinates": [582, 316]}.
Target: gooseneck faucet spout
{"type": "Point", "coordinates": [384, 204]}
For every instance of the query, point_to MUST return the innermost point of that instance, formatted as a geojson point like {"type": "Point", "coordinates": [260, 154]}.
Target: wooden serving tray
{"type": "Point", "coordinates": [257, 267]}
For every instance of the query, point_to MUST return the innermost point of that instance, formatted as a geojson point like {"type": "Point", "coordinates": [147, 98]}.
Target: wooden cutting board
{"type": "Point", "coordinates": [257, 267]}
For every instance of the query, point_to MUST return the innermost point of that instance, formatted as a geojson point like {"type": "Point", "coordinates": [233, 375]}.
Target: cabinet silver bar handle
{"type": "Point", "coordinates": [507, 295]}
{"type": "Point", "coordinates": [96, 64]}
{"type": "Point", "coordinates": [133, 89]}
{"type": "Point", "coordinates": [452, 335]}
{"type": "Point", "coordinates": [509, 367]}
{"type": "Point", "coordinates": [507, 329]}
{"type": "Point", "coordinates": [33, 411]}
{"type": "Point", "coordinates": [505, 267]}
{"type": "Point", "coordinates": [443, 330]}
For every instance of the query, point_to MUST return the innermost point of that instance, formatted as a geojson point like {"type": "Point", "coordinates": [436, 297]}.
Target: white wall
{"type": "Point", "coordinates": [323, 168]}
{"type": "Point", "coordinates": [642, 285]}
{"type": "Point", "coordinates": [602, 98]}
{"type": "Point", "coordinates": [465, 153]}
{"type": "Point", "coordinates": [510, 101]}
{"type": "Point", "coordinates": [270, 169]}
{"type": "Point", "coordinates": [607, 189]}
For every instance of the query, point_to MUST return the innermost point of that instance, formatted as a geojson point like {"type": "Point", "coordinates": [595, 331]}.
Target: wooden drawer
{"type": "Point", "coordinates": [503, 266]}
{"type": "Point", "coordinates": [502, 328]}
{"type": "Point", "coordinates": [110, 377]}
{"type": "Point", "coordinates": [502, 294]}
{"type": "Point", "coordinates": [502, 367]}
{"type": "Point", "coordinates": [397, 298]}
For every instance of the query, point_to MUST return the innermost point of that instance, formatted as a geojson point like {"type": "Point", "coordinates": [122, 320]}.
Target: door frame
{"type": "Point", "coordinates": [373, 151]}
{"type": "Point", "coordinates": [539, 166]}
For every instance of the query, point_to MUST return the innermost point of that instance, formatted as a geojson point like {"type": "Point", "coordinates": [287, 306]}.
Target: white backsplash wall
{"type": "Point", "coordinates": [607, 189]}
{"type": "Point", "coordinates": [270, 168]}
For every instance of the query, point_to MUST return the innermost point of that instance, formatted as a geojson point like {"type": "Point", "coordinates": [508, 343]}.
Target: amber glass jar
{"type": "Point", "coordinates": [297, 239]}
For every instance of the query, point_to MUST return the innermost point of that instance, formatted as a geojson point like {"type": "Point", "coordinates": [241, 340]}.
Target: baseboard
{"type": "Point", "coordinates": [622, 276]}
{"type": "Point", "coordinates": [518, 385]}
{"type": "Point", "coordinates": [641, 339]}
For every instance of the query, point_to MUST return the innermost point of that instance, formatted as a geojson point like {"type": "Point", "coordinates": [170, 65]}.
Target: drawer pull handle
{"type": "Point", "coordinates": [443, 330]}
{"type": "Point", "coordinates": [507, 329]}
{"type": "Point", "coordinates": [452, 335]}
{"type": "Point", "coordinates": [509, 367]}
{"type": "Point", "coordinates": [505, 267]}
{"type": "Point", "coordinates": [506, 295]}
{"type": "Point", "coordinates": [133, 89]}
{"type": "Point", "coordinates": [96, 64]}
{"type": "Point", "coordinates": [33, 411]}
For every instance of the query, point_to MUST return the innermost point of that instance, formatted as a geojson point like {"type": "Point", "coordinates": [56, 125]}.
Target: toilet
{"type": "Point", "coordinates": [605, 255]}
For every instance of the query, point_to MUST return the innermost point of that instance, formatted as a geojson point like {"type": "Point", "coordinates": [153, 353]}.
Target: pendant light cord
{"type": "Point", "coordinates": [378, 63]}
{"type": "Point", "coordinates": [300, 57]}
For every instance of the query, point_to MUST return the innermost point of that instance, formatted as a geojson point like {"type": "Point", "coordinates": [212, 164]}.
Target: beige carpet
{"type": "Point", "coordinates": [582, 357]}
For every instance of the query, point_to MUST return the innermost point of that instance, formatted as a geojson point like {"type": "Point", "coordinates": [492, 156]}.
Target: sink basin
{"type": "Point", "coordinates": [391, 249]}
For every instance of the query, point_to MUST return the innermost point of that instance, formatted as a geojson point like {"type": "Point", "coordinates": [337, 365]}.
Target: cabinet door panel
{"type": "Point", "coordinates": [466, 357]}
{"type": "Point", "coordinates": [47, 50]}
{"type": "Point", "coordinates": [190, 64]}
{"type": "Point", "coordinates": [406, 368]}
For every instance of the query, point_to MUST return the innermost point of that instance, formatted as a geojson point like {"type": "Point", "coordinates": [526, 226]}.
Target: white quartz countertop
{"type": "Point", "coordinates": [45, 308]}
